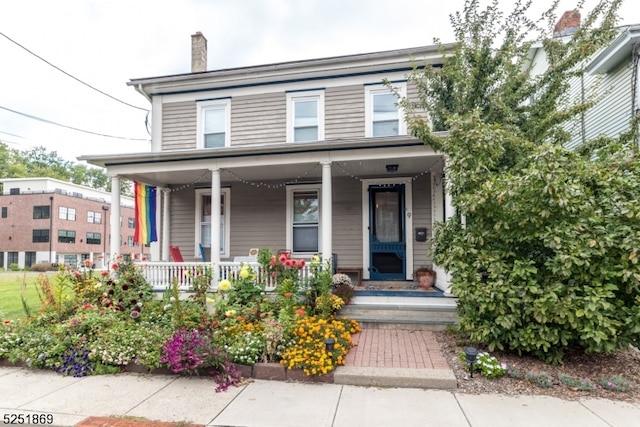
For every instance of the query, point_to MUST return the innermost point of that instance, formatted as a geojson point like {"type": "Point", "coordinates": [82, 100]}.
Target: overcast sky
{"type": "Point", "coordinates": [105, 43]}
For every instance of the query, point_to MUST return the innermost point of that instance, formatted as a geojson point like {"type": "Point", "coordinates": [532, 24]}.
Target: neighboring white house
{"type": "Point", "coordinates": [611, 77]}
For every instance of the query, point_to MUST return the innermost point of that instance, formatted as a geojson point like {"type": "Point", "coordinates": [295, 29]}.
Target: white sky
{"type": "Point", "coordinates": [108, 42]}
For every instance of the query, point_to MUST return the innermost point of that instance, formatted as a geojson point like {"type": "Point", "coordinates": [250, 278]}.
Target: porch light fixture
{"type": "Point", "coordinates": [329, 344]}
{"type": "Point", "coordinates": [471, 354]}
{"type": "Point", "coordinates": [392, 168]}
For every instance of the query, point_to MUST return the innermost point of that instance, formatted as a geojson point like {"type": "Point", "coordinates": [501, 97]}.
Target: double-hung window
{"type": "Point", "coordinates": [214, 123]}
{"type": "Point", "coordinates": [66, 236]}
{"type": "Point", "coordinates": [305, 116]}
{"type": "Point", "coordinates": [65, 213]}
{"type": "Point", "coordinates": [383, 115]}
{"type": "Point", "coordinates": [94, 217]}
{"type": "Point", "coordinates": [303, 219]}
{"type": "Point", "coordinates": [203, 220]}
{"type": "Point", "coordinates": [94, 238]}
{"type": "Point", "coordinates": [41, 212]}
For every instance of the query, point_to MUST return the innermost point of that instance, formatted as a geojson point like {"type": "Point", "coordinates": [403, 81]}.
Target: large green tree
{"type": "Point", "coordinates": [543, 247]}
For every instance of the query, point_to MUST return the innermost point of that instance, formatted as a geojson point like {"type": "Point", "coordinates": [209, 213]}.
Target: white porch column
{"type": "Point", "coordinates": [442, 210]}
{"type": "Point", "coordinates": [166, 236]}
{"type": "Point", "coordinates": [215, 225]}
{"type": "Point", "coordinates": [327, 220]}
{"type": "Point", "coordinates": [114, 224]}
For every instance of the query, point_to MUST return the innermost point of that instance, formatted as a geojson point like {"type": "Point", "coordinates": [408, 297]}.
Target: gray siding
{"type": "Point", "coordinates": [179, 125]}
{"type": "Point", "coordinates": [257, 218]}
{"type": "Point", "coordinates": [344, 112]}
{"type": "Point", "coordinates": [421, 218]}
{"type": "Point", "coordinates": [258, 119]}
{"type": "Point", "coordinates": [347, 221]}
{"type": "Point", "coordinates": [182, 222]}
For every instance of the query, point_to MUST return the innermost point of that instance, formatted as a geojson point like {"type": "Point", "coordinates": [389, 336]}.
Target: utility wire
{"type": "Point", "coordinates": [70, 127]}
{"type": "Point", "coordinates": [69, 75]}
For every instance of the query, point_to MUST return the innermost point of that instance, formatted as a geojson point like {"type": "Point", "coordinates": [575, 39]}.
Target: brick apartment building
{"type": "Point", "coordinates": [46, 220]}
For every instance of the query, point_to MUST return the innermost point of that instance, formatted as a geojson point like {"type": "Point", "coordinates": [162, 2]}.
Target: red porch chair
{"type": "Point", "coordinates": [176, 255]}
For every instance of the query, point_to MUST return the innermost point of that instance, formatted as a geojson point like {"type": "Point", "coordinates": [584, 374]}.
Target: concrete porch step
{"type": "Point", "coordinates": [402, 312]}
{"type": "Point", "coordinates": [442, 379]}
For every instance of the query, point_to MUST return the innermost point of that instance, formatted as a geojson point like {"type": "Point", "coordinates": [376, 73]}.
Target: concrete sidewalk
{"type": "Point", "coordinates": [272, 403]}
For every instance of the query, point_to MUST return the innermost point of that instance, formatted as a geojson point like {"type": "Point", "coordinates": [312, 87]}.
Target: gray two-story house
{"type": "Point", "coordinates": [310, 156]}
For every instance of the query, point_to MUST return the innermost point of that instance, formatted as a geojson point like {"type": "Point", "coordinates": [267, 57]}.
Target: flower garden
{"type": "Point", "coordinates": [93, 322]}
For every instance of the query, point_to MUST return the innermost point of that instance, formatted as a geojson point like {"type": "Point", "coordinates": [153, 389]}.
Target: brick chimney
{"type": "Point", "coordinates": [198, 53]}
{"type": "Point", "coordinates": [568, 24]}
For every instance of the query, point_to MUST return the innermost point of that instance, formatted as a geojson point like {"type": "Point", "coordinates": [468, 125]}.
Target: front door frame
{"type": "Point", "coordinates": [408, 218]}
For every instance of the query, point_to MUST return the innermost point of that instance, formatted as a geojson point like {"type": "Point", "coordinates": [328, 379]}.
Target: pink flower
{"type": "Point", "coordinates": [288, 294]}
{"type": "Point", "coordinates": [283, 258]}
{"type": "Point", "coordinates": [114, 266]}
{"type": "Point", "coordinates": [290, 263]}
{"type": "Point", "coordinates": [301, 263]}
{"type": "Point", "coordinates": [87, 263]}
{"type": "Point", "coordinates": [104, 273]}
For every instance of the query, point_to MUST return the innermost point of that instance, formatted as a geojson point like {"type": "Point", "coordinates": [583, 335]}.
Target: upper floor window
{"type": "Point", "coordinates": [94, 217]}
{"type": "Point", "coordinates": [131, 223]}
{"type": "Point", "coordinates": [214, 123]}
{"type": "Point", "coordinates": [41, 212]}
{"type": "Point", "coordinates": [383, 115]}
{"type": "Point", "coordinates": [94, 238]}
{"type": "Point", "coordinates": [66, 236]}
{"type": "Point", "coordinates": [67, 213]}
{"type": "Point", "coordinates": [4, 212]}
{"type": "Point", "coordinates": [40, 236]}
{"type": "Point", "coordinates": [305, 116]}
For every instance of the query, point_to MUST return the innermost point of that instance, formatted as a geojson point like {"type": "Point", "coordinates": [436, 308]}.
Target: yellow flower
{"type": "Point", "coordinates": [224, 285]}
{"type": "Point", "coordinates": [244, 273]}
{"type": "Point", "coordinates": [230, 313]}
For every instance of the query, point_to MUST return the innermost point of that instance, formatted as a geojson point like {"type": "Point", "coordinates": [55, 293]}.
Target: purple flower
{"type": "Point", "coordinates": [135, 314]}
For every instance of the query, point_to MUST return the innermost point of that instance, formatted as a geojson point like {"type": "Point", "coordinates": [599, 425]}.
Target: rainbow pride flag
{"type": "Point", "coordinates": [145, 198]}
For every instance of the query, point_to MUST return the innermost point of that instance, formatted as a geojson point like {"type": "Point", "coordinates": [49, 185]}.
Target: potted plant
{"type": "Point", "coordinates": [426, 277]}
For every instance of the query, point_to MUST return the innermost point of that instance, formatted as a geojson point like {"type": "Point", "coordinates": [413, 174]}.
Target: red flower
{"type": "Point", "coordinates": [288, 294]}
{"type": "Point", "coordinates": [300, 312]}
{"type": "Point", "coordinates": [301, 263]}
{"type": "Point", "coordinates": [144, 258]}
{"type": "Point", "coordinates": [114, 266]}
{"type": "Point", "coordinates": [283, 258]}
{"type": "Point", "coordinates": [104, 273]}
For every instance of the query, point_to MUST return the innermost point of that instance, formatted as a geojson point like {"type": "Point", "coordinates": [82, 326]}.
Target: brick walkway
{"type": "Point", "coordinates": [390, 348]}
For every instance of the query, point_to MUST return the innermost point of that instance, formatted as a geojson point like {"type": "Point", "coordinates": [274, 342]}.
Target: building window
{"type": "Point", "coordinates": [68, 214]}
{"type": "Point", "coordinates": [305, 116]}
{"type": "Point", "coordinates": [41, 212]}
{"type": "Point", "coordinates": [203, 220]}
{"type": "Point", "coordinates": [130, 240]}
{"type": "Point", "coordinates": [4, 212]}
{"type": "Point", "coordinates": [12, 258]}
{"type": "Point", "coordinates": [66, 236]}
{"type": "Point", "coordinates": [303, 219]}
{"type": "Point", "coordinates": [132, 223]}
{"type": "Point", "coordinates": [383, 115]}
{"type": "Point", "coordinates": [29, 259]}
{"type": "Point", "coordinates": [14, 191]}
{"type": "Point", "coordinates": [94, 238]}
{"type": "Point", "coordinates": [94, 217]}
{"type": "Point", "coordinates": [214, 123]}
{"type": "Point", "coordinates": [40, 236]}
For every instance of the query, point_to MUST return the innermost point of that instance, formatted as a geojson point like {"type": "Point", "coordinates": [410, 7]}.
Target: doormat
{"type": "Point", "coordinates": [437, 293]}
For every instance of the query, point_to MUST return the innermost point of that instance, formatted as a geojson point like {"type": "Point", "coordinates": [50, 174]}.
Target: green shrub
{"type": "Point", "coordinates": [584, 384]}
{"type": "Point", "coordinates": [541, 379]}
{"type": "Point", "coordinates": [615, 383]}
{"type": "Point", "coordinates": [14, 267]}
{"type": "Point", "coordinates": [43, 267]}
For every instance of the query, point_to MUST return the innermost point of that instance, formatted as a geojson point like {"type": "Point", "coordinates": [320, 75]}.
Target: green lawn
{"type": "Point", "coordinates": [10, 301]}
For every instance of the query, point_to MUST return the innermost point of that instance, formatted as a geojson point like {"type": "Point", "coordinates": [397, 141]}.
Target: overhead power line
{"type": "Point", "coordinates": [70, 127]}
{"type": "Point", "coordinates": [69, 75]}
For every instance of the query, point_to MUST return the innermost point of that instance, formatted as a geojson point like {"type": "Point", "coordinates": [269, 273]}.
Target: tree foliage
{"type": "Point", "coordinates": [37, 162]}
{"type": "Point", "coordinates": [543, 249]}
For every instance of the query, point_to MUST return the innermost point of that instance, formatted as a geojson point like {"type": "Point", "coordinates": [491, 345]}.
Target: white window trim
{"type": "Point", "coordinates": [289, 217]}
{"type": "Point", "coordinates": [292, 97]}
{"type": "Point", "coordinates": [369, 91]}
{"type": "Point", "coordinates": [227, 220]}
{"type": "Point", "coordinates": [218, 103]}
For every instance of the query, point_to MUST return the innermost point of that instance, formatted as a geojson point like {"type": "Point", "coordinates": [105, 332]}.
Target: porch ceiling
{"type": "Point", "coordinates": [311, 171]}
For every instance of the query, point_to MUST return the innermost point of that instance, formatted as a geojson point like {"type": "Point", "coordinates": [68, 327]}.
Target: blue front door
{"type": "Point", "coordinates": [387, 245]}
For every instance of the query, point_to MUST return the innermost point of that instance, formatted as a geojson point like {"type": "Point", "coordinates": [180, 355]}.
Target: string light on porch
{"type": "Point", "coordinates": [189, 185]}
{"type": "Point", "coordinates": [413, 178]}
{"type": "Point", "coordinates": [259, 184]}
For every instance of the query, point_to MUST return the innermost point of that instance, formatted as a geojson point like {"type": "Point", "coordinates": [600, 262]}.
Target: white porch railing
{"type": "Point", "coordinates": [160, 275]}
